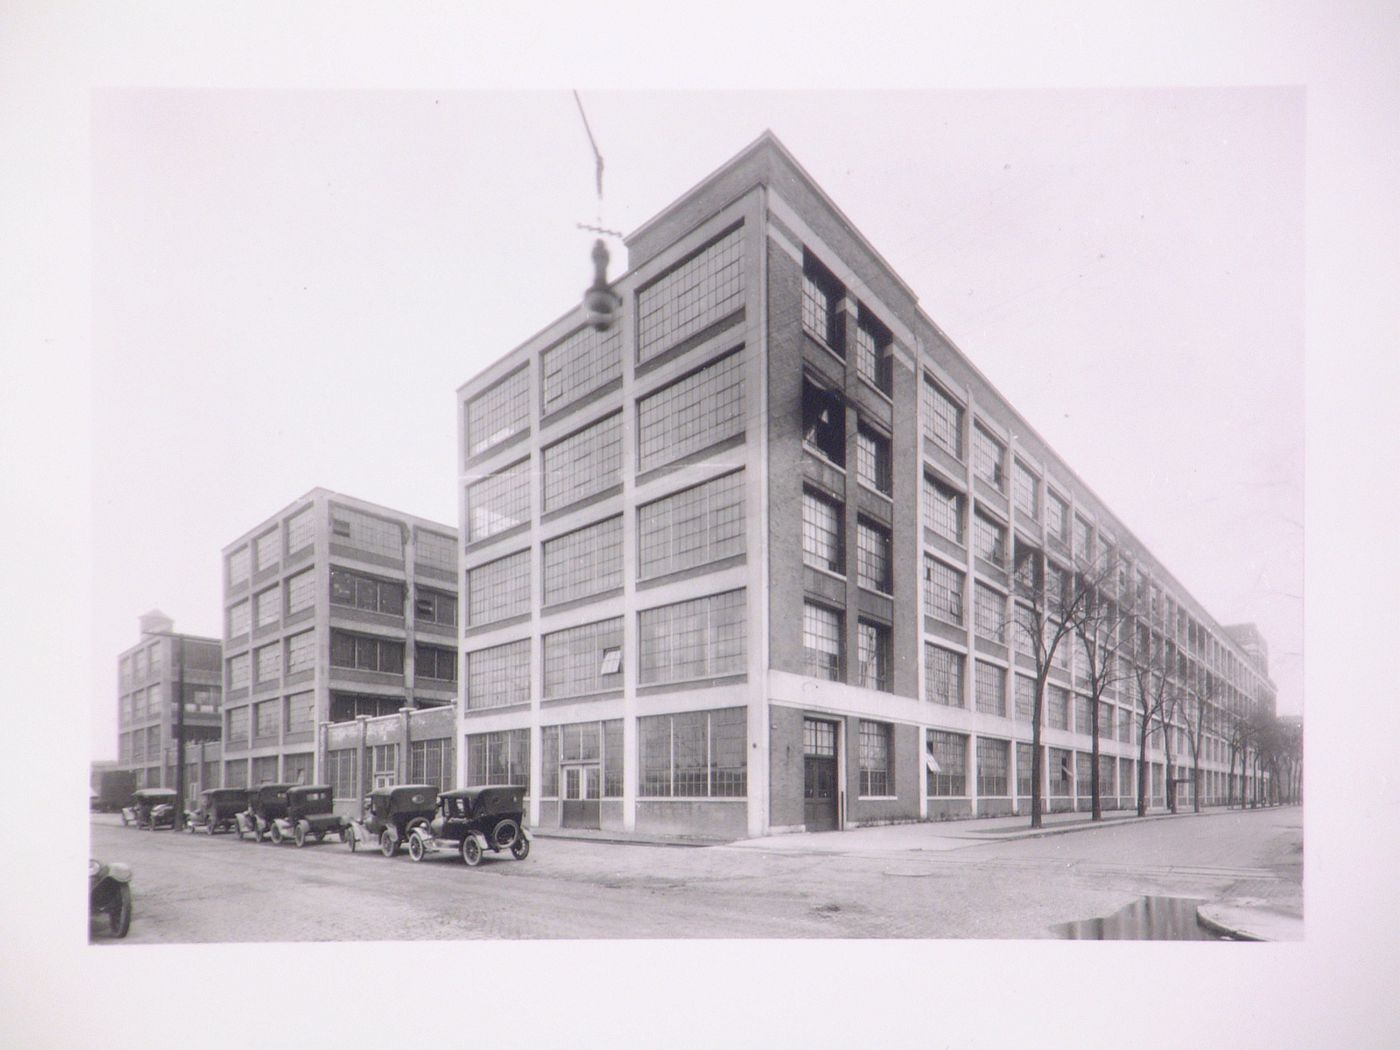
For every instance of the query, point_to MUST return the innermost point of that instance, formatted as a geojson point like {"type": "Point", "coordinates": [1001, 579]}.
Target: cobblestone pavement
{"type": "Point", "coordinates": [194, 888]}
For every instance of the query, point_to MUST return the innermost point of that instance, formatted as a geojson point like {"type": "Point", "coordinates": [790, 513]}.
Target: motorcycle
{"type": "Point", "coordinates": [109, 894]}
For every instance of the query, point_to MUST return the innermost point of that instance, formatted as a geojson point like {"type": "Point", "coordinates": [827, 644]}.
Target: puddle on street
{"type": "Point", "coordinates": [1146, 919]}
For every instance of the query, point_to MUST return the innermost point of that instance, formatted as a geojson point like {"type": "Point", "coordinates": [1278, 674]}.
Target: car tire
{"type": "Point", "coordinates": [520, 848]}
{"type": "Point", "coordinates": [387, 844]}
{"type": "Point", "coordinates": [471, 851]}
{"type": "Point", "coordinates": [299, 836]}
{"type": "Point", "coordinates": [119, 918]}
{"type": "Point", "coordinates": [348, 836]}
{"type": "Point", "coordinates": [415, 848]}
{"type": "Point", "coordinates": [275, 835]}
{"type": "Point", "coordinates": [504, 834]}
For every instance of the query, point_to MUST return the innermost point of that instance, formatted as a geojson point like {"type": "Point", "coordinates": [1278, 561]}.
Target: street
{"type": "Point", "coordinates": [896, 882]}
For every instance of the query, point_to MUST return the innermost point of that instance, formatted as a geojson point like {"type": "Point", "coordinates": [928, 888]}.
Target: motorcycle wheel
{"type": "Point", "coordinates": [119, 917]}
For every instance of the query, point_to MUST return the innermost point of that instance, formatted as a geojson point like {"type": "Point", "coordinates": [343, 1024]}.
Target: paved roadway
{"type": "Point", "coordinates": [194, 888]}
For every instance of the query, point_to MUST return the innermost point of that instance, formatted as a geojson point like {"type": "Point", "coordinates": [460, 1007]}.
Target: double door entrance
{"type": "Point", "coordinates": [820, 797]}
{"type": "Point", "coordinates": [583, 787]}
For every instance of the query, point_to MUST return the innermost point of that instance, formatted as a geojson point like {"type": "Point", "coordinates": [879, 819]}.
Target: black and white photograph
{"type": "Point", "coordinates": [602, 545]}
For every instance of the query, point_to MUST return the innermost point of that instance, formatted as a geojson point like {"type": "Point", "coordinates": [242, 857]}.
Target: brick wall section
{"type": "Point", "coordinates": [785, 767]}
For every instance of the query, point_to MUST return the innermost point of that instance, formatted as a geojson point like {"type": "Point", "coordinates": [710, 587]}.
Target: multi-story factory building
{"type": "Point", "coordinates": [163, 669]}
{"type": "Point", "coordinates": [744, 562]}
{"type": "Point", "coordinates": [334, 609]}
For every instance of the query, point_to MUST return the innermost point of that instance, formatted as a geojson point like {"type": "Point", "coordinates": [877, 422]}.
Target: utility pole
{"type": "Point", "coordinates": [180, 735]}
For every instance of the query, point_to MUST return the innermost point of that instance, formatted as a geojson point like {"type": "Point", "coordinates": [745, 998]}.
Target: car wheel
{"type": "Point", "coordinates": [120, 916]}
{"type": "Point", "coordinates": [345, 833]}
{"type": "Point", "coordinates": [520, 848]}
{"type": "Point", "coordinates": [275, 835]}
{"type": "Point", "coordinates": [415, 848]}
{"type": "Point", "coordinates": [504, 834]}
{"type": "Point", "coordinates": [387, 844]}
{"type": "Point", "coordinates": [299, 836]}
{"type": "Point", "coordinates": [349, 837]}
{"type": "Point", "coordinates": [471, 851]}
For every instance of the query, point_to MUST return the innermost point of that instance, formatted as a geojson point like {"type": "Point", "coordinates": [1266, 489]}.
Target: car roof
{"type": "Point", "coordinates": [396, 789]}
{"type": "Point", "coordinates": [302, 789]}
{"type": "Point", "coordinates": [473, 792]}
{"type": "Point", "coordinates": [155, 792]}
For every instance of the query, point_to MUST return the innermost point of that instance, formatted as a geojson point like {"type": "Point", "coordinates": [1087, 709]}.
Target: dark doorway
{"type": "Point", "coordinates": [820, 799]}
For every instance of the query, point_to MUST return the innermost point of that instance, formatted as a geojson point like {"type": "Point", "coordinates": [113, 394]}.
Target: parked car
{"type": "Point", "coordinates": [473, 820]}
{"type": "Point", "coordinates": [389, 814]}
{"type": "Point", "coordinates": [109, 896]}
{"type": "Point", "coordinates": [309, 812]}
{"type": "Point", "coordinates": [217, 810]}
{"type": "Point", "coordinates": [266, 803]}
{"type": "Point", "coordinates": [151, 808]}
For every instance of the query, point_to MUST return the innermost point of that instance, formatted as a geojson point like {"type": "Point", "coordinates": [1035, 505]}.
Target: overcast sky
{"type": "Point", "coordinates": [288, 288]}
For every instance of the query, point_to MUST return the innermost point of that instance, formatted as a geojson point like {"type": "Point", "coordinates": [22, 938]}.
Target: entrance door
{"type": "Point", "coordinates": [819, 790]}
{"type": "Point", "coordinates": [582, 788]}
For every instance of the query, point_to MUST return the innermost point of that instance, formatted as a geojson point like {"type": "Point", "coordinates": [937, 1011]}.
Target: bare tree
{"type": "Point", "coordinates": [1103, 631]}
{"type": "Point", "coordinates": [1152, 681]}
{"type": "Point", "coordinates": [1198, 707]}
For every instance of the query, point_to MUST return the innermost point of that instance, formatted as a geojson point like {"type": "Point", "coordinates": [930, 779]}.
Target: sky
{"type": "Point", "coordinates": [289, 286]}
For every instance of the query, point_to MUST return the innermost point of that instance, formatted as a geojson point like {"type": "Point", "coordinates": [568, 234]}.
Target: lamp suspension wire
{"type": "Point", "coordinates": [597, 173]}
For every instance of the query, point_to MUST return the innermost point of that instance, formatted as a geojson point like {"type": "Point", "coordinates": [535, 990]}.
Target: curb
{"type": "Point", "coordinates": [1223, 929]}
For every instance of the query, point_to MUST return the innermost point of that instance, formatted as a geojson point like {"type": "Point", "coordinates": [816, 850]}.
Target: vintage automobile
{"type": "Point", "coordinates": [389, 814]}
{"type": "Point", "coordinates": [217, 810]}
{"type": "Point", "coordinates": [266, 803]}
{"type": "Point", "coordinates": [473, 820]}
{"type": "Point", "coordinates": [309, 813]}
{"type": "Point", "coordinates": [151, 808]}
{"type": "Point", "coordinates": [109, 896]}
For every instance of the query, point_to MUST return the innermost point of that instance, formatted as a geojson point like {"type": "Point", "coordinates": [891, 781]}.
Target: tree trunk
{"type": "Point", "coordinates": [1037, 763]}
{"type": "Point", "coordinates": [1095, 804]}
{"type": "Point", "coordinates": [1142, 772]}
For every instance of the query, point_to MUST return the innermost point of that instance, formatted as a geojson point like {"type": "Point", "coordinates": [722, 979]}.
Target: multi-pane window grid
{"type": "Point", "coordinates": [943, 591]}
{"type": "Point", "coordinates": [436, 550]}
{"type": "Point", "coordinates": [367, 532]}
{"type": "Point", "coordinates": [498, 502]}
{"type": "Point", "coordinates": [268, 665]}
{"type": "Point", "coordinates": [700, 638]}
{"type": "Point", "coordinates": [267, 549]}
{"type": "Point", "coordinates": [498, 413]}
{"type": "Point", "coordinates": [822, 545]}
{"type": "Point", "coordinates": [692, 413]}
{"type": "Point", "coordinates": [874, 557]}
{"type": "Point", "coordinates": [874, 758]}
{"type": "Point", "coordinates": [821, 641]}
{"type": "Point", "coordinates": [363, 652]}
{"type": "Point", "coordinates": [431, 762]}
{"type": "Point", "coordinates": [1025, 698]}
{"type": "Point", "coordinates": [989, 613]}
{"type": "Point", "coordinates": [499, 675]}
{"type": "Point", "coordinates": [990, 689]}
{"type": "Point", "coordinates": [301, 712]}
{"type": "Point", "coordinates": [947, 774]}
{"type": "Point", "coordinates": [580, 364]}
{"type": "Point", "coordinates": [434, 662]}
{"type": "Point", "coordinates": [697, 525]}
{"type": "Point", "coordinates": [1057, 517]}
{"type": "Point", "coordinates": [431, 606]}
{"type": "Point", "coordinates": [697, 292]}
{"type": "Point", "coordinates": [943, 419]}
{"type": "Point", "coordinates": [873, 359]}
{"type": "Point", "coordinates": [988, 459]}
{"type": "Point", "coordinates": [238, 565]}
{"type": "Point", "coordinates": [583, 463]}
{"type": "Point", "coordinates": [239, 668]}
{"type": "Point", "coordinates": [266, 719]}
{"type": "Point", "coordinates": [1025, 492]}
{"type": "Point", "coordinates": [822, 295]}
{"type": "Point", "coordinates": [576, 660]}
{"type": "Point", "coordinates": [1057, 700]}
{"type": "Point", "coordinates": [267, 607]}
{"type": "Point", "coordinates": [698, 754]}
{"type": "Point", "coordinates": [873, 655]}
{"type": "Point", "coordinates": [943, 676]}
{"type": "Point", "coordinates": [1061, 771]}
{"type": "Point", "coordinates": [993, 757]}
{"type": "Point", "coordinates": [988, 540]}
{"type": "Point", "coordinates": [301, 529]}
{"type": "Point", "coordinates": [366, 592]}
{"type": "Point", "coordinates": [943, 509]}
{"type": "Point", "coordinates": [301, 591]}
{"type": "Point", "coordinates": [873, 465]}
{"type": "Point", "coordinates": [499, 758]}
{"type": "Point", "coordinates": [238, 725]}
{"type": "Point", "coordinates": [239, 621]}
{"type": "Point", "coordinates": [499, 589]}
{"type": "Point", "coordinates": [301, 652]}
{"type": "Point", "coordinates": [583, 562]}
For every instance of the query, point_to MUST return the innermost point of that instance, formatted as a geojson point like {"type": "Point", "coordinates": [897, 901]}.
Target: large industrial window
{"type": "Point", "coordinates": [238, 671]}
{"type": "Point", "coordinates": [238, 566]}
{"type": "Point", "coordinates": [874, 557]}
{"type": "Point", "coordinates": [1025, 755]}
{"type": "Point", "coordinates": [990, 689]}
{"type": "Point", "coordinates": [431, 762]}
{"type": "Point", "coordinates": [583, 562]}
{"type": "Point", "coordinates": [1025, 491]}
{"type": "Point", "coordinates": [238, 725]}
{"type": "Point", "coordinates": [944, 509]}
{"type": "Point", "coordinates": [584, 463]}
{"type": "Point", "coordinates": [822, 532]}
{"type": "Point", "coordinates": [993, 758]}
{"type": "Point", "coordinates": [267, 549]}
{"type": "Point", "coordinates": [943, 591]}
{"type": "Point", "coordinates": [498, 413]}
{"type": "Point", "coordinates": [499, 589]}
{"type": "Point", "coordinates": [301, 530]}
{"type": "Point", "coordinates": [498, 502]}
{"type": "Point", "coordinates": [431, 606]}
{"type": "Point", "coordinates": [943, 676]}
{"type": "Point", "coordinates": [499, 675]}
{"type": "Point", "coordinates": [301, 591]}
{"type": "Point", "coordinates": [499, 758]}
{"type": "Point", "coordinates": [236, 773]}
{"type": "Point", "coordinates": [582, 660]}
{"type": "Point", "coordinates": [266, 718]}
{"type": "Point", "coordinates": [1082, 722]}
{"type": "Point", "coordinates": [989, 613]}
{"type": "Point", "coordinates": [301, 652]}
{"type": "Point", "coordinates": [947, 765]}
{"type": "Point", "coordinates": [701, 289]}
{"type": "Point", "coordinates": [697, 525]}
{"type": "Point", "coordinates": [822, 296]}
{"type": "Point", "coordinates": [1106, 767]}
{"type": "Point", "coordinates": [697, 754]}
{"type": "Point", "coordinates": [239, 622]}
{"type": "Point", "coordinates": [988, 540]}
{"type": "Point", "coordinates": [873, 656]}
{"type": "Point", "coordinates": [873, 464]}
{"type": "Point", "coordinates": [265, 770]}
{"type": "Point", "coordinates": [1057, 698]}
{"type": "Point", "coordinates": [340, 772]}
{"type": "Point", "coordinates": [267, 607]}
{"type": "Point", "coordinates": [365, 652]}
{"type": "Point", "coordinates": [988, 459]}
{"type": "Point", "coordinates": [358, 591]}
{"type": "Point", "coordinates": [701, 638]}
{"type": "Point", "coordinates": [368, 532]}
{"type": "Point", "coordinates": [874, 357]}
{"type": "Point", "coordinates": [874, 759]}
{"type": "Point", "coordinates": [1061, 771]}
{"type": "Point", "coordinates": [435, 550]}
{"type": "Point", "coordinates": [822, 630]}
{"type": "Point", "coordinates": [579, 365]}
{"type": "Point", "coordinates": [943, 418]}
{"type": "Point", "coordinates": [301, 712]}
{"type": "Point", "coordinates": [692, 413]}
{"type": "Point", "coordinates": [1083, 774]}
{"type": "Point", "coordinates": [268, 662]}
{"type": "Point", "coordinates": [435, 663]}
{"type": "Point", "coordinates": [1025, 698]}
{"type": "Point", "coordinates": [1057, 516]}
{"type": "Point", "coordinates": [824, 423]}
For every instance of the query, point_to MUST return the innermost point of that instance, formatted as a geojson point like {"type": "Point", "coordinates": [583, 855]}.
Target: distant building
{"type": "Point", "coordinates": [334, 609]}
{"type": "Point", "coordinates": [149, 677]}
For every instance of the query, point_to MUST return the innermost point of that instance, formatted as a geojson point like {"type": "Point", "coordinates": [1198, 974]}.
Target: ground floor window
{"type": "Point", "coordinates": [340, 772]}
{"type": "Point", "coordinates": [582, 742]}
{"type": "Point", "coordinates": [947, 764]}
{"type": "Point", "coordinates": [1025, 756]}
{"type": "Point", "coordinates": [210, 776]}
{"type": "Point", "coordinates": [384, 765]}
{"type": "Point", "coordinates": [1106, 765]}
{"type": "Point", "coordinates": [236, 773]}
{"type": "Point", "coordinates": [993, 758]}
{"type": "Point", "coordinates": [265, 770]}
{"type": "Point", "coordinates": [499, 758]}
{"type": "Point", "coordinates": [1061, 771]}
{"type": "Point", "coordinates": [874, 758]}
{"type": "Point", "coordinates": [298, 768]}
{"type": "Point", "coordinates": [696, 754]}
{"type": "Point", "coordinates": [1083, 774]}
{"type": "Point", "coordinates": [1127, 784]}
{"type": "Point", "coordinates": [431, 762]}
{"type": "Point", "coordinates": [346, 707]}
